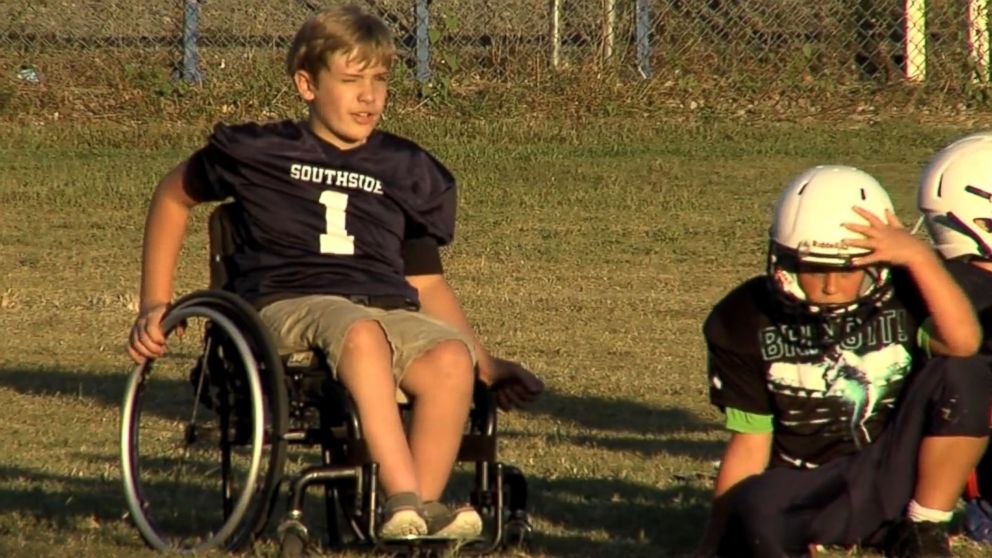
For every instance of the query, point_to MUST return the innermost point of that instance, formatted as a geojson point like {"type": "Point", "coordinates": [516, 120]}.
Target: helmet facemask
{"type": "Point", "coordinates": [783, 273]}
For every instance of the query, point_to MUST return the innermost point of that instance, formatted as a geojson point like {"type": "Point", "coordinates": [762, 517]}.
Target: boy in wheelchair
{"type": "Point", "coordinates": [342, 224]}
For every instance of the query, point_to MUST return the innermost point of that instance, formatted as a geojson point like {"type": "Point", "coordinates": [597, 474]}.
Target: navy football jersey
{"type": "Point", "coordinates": [826, 399]}
{"type": "Point", "coordinates": [320, 220]}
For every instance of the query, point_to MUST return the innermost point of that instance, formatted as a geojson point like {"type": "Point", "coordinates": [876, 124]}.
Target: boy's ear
{"type": "Point", "coordinates": [306, 85]}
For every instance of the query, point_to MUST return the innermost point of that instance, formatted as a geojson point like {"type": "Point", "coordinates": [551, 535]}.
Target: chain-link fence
{"type": "Point", "coordinates": [102, 46]}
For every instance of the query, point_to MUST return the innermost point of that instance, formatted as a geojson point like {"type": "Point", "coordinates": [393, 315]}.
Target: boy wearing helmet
{"type": "Point", "coordinates": [836, 437]}
{"type": "Point", "coordinates": [955, 197]}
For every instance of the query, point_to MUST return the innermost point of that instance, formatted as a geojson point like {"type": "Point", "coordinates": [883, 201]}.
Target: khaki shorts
{"type": "Point", "coordinates": [322, 322]}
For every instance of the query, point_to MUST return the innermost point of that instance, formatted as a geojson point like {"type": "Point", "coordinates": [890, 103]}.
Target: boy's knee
{"type": "Point", "coordinates": [449, 363]}
{"type": "Point", "coordinates": [364, 335]}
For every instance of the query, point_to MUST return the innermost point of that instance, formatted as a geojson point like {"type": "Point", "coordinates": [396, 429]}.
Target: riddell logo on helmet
{"type": "Point", "coordinates": [808, 244]}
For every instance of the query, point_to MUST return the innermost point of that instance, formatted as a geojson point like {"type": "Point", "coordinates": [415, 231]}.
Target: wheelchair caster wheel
{"type": "Point", "coordinates": [293, 539]}
{"type": "Point", "coordinates": [517, 531]}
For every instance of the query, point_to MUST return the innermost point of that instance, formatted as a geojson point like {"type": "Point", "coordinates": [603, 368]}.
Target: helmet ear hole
{"type": "Point", "coordinates": [983, 223]}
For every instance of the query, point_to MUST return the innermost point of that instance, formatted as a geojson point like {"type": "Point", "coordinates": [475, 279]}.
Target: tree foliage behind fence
{"type": "Point", "coordinates": [97, 56]}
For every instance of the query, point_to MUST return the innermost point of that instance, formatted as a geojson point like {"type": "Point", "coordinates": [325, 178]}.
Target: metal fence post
{"type": "Point", "coordinates": [916, 39]}
{"type": "Point", "coordinates": [609, 30]}
{"type": "Point", "coordinates": [642, 34]}
{"type": "Point", "coordinates": [423, 46]}
{"type": "Point", "coordinates": [555, 36]}
{"type": "Point", "coordinates": [189, 71]}
{"type": "Point", "coordinates": [979, 40]}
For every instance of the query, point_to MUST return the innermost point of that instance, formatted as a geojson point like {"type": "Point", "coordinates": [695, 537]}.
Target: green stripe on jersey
{"type": "Point", "coordinates": [748, 423]}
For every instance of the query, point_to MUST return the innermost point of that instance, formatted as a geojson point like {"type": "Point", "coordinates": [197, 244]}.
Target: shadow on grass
{"type": "Point", "coordinates": [604, 517]}
{"type": "Point", "coordinates": [619, 415]}
{"type": "Point", "coordinates": [695, 449]}
{"type": "Point", "coordinates": [164, 397]}
{"type": "Point", "coordinates": [59, 499]}
{"type": "Point", "coordinates": [621, 518]}
{"type": "Point", "coordinates": [105, 388]}
{"type": "Point", "coordinates": [627, 426]}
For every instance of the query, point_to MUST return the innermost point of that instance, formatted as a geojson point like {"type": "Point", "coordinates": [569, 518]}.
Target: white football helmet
{"type": "Point", "coordinates": [808, 227]}
{"type": "Point", "coordinates": [955, 197]}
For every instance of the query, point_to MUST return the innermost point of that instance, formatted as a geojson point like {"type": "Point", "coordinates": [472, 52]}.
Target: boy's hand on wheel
{"type": "Point", "coordinates": [146, 340]}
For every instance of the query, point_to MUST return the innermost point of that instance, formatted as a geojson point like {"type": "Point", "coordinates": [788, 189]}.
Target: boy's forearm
{"type": "Point", "coordinates": [165, 228]}
{"type": "Point", "coordinates": [437, 299]}
{"type": "Point", "coordinates": [956, 328]}
{"type": "Point", "coordinates": [746, 455]}
{"type": "Point", "coordinates": [164, 232]}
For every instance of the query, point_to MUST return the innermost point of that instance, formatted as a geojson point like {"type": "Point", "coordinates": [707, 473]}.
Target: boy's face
{"type": "Point", "coordinates": [346, 99]}
{"type": "Point", "coordinates": [830, 284]}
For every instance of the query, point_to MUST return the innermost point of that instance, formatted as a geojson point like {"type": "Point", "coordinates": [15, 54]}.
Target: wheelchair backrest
{"type": "Point", "coordinates": [225, 232]}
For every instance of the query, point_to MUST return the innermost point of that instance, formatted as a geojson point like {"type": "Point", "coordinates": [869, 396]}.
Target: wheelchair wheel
{"type": "Point", "coordinates": [203, 429]}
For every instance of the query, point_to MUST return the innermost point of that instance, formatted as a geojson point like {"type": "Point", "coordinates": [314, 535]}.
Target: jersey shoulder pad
{"type": "Point", "coordinates": [245, 138]}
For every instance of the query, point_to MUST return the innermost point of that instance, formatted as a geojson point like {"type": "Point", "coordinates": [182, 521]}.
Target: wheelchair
{"type": "Point", "coordinates": [205, 433]}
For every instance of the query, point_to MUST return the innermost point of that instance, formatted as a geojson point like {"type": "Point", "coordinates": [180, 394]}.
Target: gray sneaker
{"type": "Point", "coordinates": [401, 517]}
{"type": "Point", "coordinates": [460, 524]}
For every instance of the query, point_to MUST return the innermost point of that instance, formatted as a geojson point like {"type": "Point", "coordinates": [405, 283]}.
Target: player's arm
{"type": "Point", "coordinates": [513, 385]}
{"type": "Point", "coordinates": [437, 299]}
{"type": "Point", "coordinates": [165, 228]}
{"type": "Point", "coordinates": [954, 328]}
{"type": "Point", "coordinates": [746, 454]}
{"type": "Point", "coordinates": [738, 387]}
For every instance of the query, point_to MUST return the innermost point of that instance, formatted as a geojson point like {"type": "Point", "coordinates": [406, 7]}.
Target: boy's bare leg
{"type": "Point", "coordinates": [944, 465]}
{"type": "Point", "coordinates": [365, 368]}
{"type": "Point", "coordinates": [440, 382]}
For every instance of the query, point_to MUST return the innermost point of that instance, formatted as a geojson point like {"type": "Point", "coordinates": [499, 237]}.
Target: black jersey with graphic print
{"type": "Point", "coordinates": [829, 384]}
{"type": "Point", "coordinates": [320, 220]}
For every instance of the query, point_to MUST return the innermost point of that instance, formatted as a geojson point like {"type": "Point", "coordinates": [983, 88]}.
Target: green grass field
{"type": "Point", "coordinates": [590, 251]}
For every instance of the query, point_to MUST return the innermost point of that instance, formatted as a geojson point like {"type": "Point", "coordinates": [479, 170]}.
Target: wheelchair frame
{"type": "Point", "coordinates": [292, 400]}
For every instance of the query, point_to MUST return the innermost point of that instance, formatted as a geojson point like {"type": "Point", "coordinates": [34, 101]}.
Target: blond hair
{"type": "Point", "coordinates": [342, 30]}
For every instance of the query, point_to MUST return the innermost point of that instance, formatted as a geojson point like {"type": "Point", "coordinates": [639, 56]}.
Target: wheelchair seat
{"type": "Point", "coordinates": [248, 404]}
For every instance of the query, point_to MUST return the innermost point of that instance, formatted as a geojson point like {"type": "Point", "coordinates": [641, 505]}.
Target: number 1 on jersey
{"type": "Point", "coordinates": [336, 240]}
